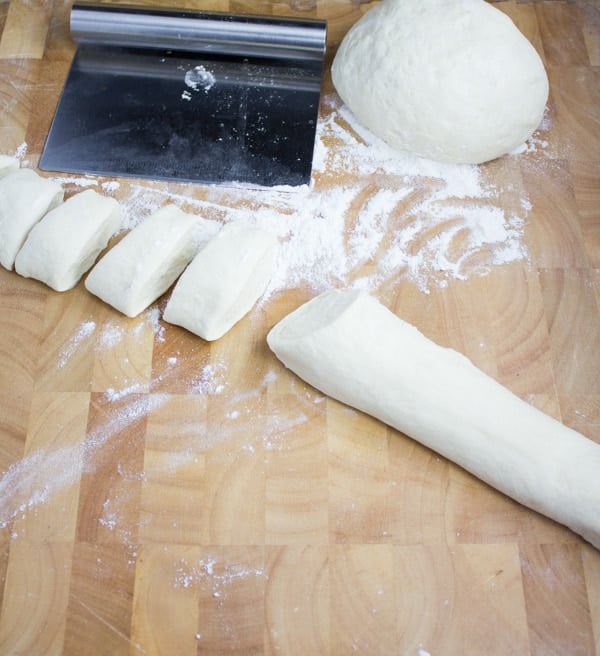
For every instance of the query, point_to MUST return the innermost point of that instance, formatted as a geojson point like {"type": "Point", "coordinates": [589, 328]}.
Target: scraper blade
{"type": "Point", "coordinates": [189, 96]}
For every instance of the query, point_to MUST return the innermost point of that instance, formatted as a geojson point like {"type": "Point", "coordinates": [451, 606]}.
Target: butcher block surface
{"type": "Point", "coordinates": [165, 495]}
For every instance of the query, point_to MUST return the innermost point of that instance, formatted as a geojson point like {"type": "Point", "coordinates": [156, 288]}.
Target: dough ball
{"type": "Point", "coordinates": [148, 260]}
{"type": "Point", "coordinates": [449, 80]}
{"type": "Point", "coordinates": [24, 199]}
{"type": "Point", "coordinates": [67, 241]}
{"type": "Point", "coordinates": [223, 281]}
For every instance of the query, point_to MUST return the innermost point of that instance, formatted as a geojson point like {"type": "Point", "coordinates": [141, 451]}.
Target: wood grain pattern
{"type": "Point", "coordinates": [161, 495]}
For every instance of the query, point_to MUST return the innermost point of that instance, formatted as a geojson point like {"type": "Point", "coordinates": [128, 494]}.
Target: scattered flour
{"type": "Point", "coordinates": [370, 217]}
{"type": "Point", "coordinates": [85, 330]}
{"type": "Point", "coordinates": [37, 477]}
{"type": "Point", "coordinates": [111, 186]}
{"type": "Point", "coordinates": [112, 394]}
{"type": "Point", "coordinates": [76, 181]}
{"type": "Point", "coordinates": [210, 379]}
{"type": "Point", "coordinates": [109, 336]}
{"type": "Point", "coordinates": [220, 574]}
{"type": "Point", "coordinates": [152, 315]}
{"type": "Point", "coordinates": [199, 78]}
{"type": "Point", "coordinates": [21, 151]}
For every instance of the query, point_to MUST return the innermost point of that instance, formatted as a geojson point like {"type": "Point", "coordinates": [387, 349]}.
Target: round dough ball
{"type": "Point", "coordinates": [450, 80]}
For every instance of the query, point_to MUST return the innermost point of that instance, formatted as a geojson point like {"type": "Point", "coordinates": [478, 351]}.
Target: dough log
{"type": "Point", "coordinates": [352, 348]}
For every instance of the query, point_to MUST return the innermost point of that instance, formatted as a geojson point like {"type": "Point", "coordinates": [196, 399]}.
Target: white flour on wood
{"type": "Point", "coordinates": [371, 217]}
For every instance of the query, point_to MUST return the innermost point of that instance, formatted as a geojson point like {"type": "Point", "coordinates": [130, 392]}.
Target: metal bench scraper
{"type": "Point", "coordinates": [191, 96]}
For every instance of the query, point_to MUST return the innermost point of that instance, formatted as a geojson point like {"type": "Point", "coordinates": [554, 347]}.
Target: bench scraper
{"type": "Point", "coordinates": [191, 96]}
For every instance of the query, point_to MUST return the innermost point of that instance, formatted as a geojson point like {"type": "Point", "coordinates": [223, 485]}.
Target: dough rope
{"type": "Point", "coordinates": [352, 348]}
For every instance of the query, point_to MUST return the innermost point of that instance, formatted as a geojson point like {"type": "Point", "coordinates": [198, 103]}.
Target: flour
{"type": "Point", "coordinates": [152, 315]}
{"type": "Point", "coordinates": [111, 186]}
{"type": "Point", "coordinates": [110, 336]}
{"type": "Point", "coordinates": [111, 394]}
{"type": "Point", "coordinates": [370, 217]}
{"type": "Point", "coordinates": [448, 254]}
{"type": "Point", "coordinates": [199, 78]}
{"type": "Point", "coordinates": [37, 477]}
{"type": "Point", "coordinates": [76, 181]}
{"type": "Point", "coordinates": [220, 574]}
{"type": "Point", "coordinates": [85, 330]}
{"type": "Point", "coordinates": [21, 151]}
{"type": "Point", "coordinates": [210, 379]}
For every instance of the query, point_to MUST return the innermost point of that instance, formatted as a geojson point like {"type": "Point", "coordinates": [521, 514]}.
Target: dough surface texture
{"type": "Point", "coordinates": [8, 165]}
{"type": "Point", "coordinates": [25, 197]}
{"type": "Point", "coordinates": [67, 241]}
{"type": "Point", "coordinates": [223, 282]}
{"type": "Point", "coordinates": [352, 348]}
{"type": "Point", "coordinates": [448, 80]}
{"type": "Point", "coordinates": [148, 260]}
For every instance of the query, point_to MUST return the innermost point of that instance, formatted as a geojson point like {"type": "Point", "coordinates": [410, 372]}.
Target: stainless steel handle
{"type": "Point", "coordinates": [199, 31]}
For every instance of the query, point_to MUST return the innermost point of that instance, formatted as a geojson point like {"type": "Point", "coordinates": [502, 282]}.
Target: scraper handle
{"type": "Point", "coordinates": [199, 31]}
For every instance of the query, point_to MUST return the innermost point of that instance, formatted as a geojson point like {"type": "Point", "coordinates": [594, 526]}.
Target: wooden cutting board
{"type": "Point", "coordinates": [162, 495]}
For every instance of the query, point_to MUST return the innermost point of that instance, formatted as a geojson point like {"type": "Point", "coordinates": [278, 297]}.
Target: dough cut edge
{"type": "Point", "coordinates": [112, 278]}
{"type": "Point", "coordinates": [205, 306]}
{"type": "Point", "coordinates": [337, 302]}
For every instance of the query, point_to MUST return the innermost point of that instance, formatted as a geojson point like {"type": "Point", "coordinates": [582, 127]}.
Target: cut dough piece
{"type": "Point", "coordinates": [8, 165]}
{"type": "Point", "coordinates": [223, 281]}
{"type": "Point", "coordinates": [349, 346]}
{"type": "Point", "coordinates": [449, 80]}
{"type": "Point", "coordinates": [24, 198]}
{"type": "Point", "coordinates": [67, 241]}
{"type": "Point", "coordinates": [148, 260]}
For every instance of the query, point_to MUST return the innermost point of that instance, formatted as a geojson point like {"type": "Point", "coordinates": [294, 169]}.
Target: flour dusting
{"type": "Point", "coordinates": [37, 477]}
{"type": "Point", "coordinates": [111, 186]}
{"type": "Point", "coordinates": [371, 217]}
{"type": "Point", "coordinates": [209, 380]}
{"type": "Point", "coordinates": [218, 573]}
{"type": "Point", "coordinates": [199, 78]}
{"type": "Point", "coordinates": [85, 330]}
